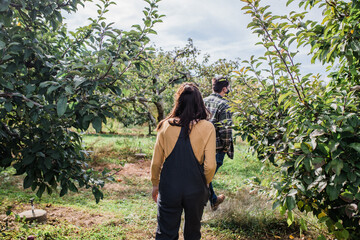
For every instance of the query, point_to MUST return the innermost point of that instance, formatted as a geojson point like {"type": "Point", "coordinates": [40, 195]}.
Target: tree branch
{"type": "Point", "coordinates": [8, 131]}
{"type": "Point", "coordinates": [268, 35]}
{"type": "Point", "coordinates": [11, 95]}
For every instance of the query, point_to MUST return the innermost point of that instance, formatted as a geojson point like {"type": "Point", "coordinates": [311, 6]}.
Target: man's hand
{"type": "Point", "coordinates": [155, 193]}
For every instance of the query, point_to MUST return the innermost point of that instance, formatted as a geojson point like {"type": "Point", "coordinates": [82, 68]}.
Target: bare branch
{"type": "Point", "coordinates": [185, 75]}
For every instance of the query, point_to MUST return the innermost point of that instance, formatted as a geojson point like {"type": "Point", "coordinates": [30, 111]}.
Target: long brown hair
{"type": "Point", "coordinates": [189, 108]}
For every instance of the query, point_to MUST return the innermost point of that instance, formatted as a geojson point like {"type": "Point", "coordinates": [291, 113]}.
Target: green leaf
{"type": "Point", "coordinates": [321, 237]}
{"type": "Point", "coordinates": [78, 81]}
{"type": "Point", "coordinates": [30, 104]}
{"type": "Point", "coordinates": [316, 133]}
{"type": "Point", "coordinates": [307, 179]}
{"type": "Point", "coordinates": [300, 204]}
{"type": "Point", "coordinates": [41, 190]}
{"type": "Point", "coordinates": [8, 106]}
{"type": "Point", "coordinates": [288, 2]}
{"type": "Point", "coordinates": [52, 88]}
{"type": "Point", "coordinates": [283, 96]}
{"type": "Point", "coordinates": [290, 218]}
{"type": "Point", "coordinates": [61, 105]}
{"type": "Point", "coordinates": [4, 5]}
{"type": "Point", "coordinates": [290, 202]}
{"type": "Point", "coordinates": [300, 186]}
{"type": "Point", "coordinates": [28, 160]}
{"type": "Point", "coordinates": [276, 204]}
{"type": "Point", "coordinates": [323, 148]}
{"type": "Point", "coordinates": [332, 192]}
{"type": "Point", "coordinates": [64, 190]}
{"type": "Point", "coordinates": [48, 163]}
{"type": "Point", "coordinates": [100, 65]}
{"type": "Point", "coordinates": [49, 176]}
{"type": "Point", "coordinates": [72, 187]}
{"type": "Point", "coordinates": [147, 22]}
{"type": "Point", "coordinates": [333, 145]}
{"type": "Point", "coordinates": [355, 146]}
{"type": "Point", "coordinates": [337, 166]}
{"type": "Point", "coordinates": [305, 148]}
{"type": "Point", "coordinates": [151, 31]}
{"type": "Point", "coordinates": [307, 164]}
{"type": "Point", "coordinates": [2, 44]}
{"type": "Point", "coordinates": [303, 224]}
{"type": "Point", "coordinates": [345, 234]}
{"type": "Point", "coordinates": [28, 181]}
{"type": "Point", "coordinates": [96, 123]}
{"type": "Point", "coordinates": [40, 154]}
{"type": "Point", "coordinates": [97, 194]}
{"type": "Point", "coordinates": [351, 176]}
{"type": "Point", "coordinates": [322, 185]}
{"type": "Point", "coordinates": [347, 196]}
{"type": "Point", "coordinates": [299, 160]}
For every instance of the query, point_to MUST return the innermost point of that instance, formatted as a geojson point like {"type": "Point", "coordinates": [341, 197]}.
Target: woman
{"type": "Point", "coordinates": [183, 165]}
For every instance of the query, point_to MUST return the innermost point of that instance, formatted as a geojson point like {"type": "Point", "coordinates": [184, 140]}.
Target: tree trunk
{"type": "Point", "coordinates": [160, 109]}
{"type": "Point", "coordinates": [151, 121]}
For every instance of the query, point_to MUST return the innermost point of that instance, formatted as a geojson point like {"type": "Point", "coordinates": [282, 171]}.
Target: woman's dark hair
{"type": "Point", "coordinates": [189, 108]}
{"type": "Point", "coordinates": [218, 83]}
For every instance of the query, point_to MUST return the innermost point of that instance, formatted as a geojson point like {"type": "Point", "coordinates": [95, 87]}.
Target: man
{"type": "Point", "coordinates": [221, 118]}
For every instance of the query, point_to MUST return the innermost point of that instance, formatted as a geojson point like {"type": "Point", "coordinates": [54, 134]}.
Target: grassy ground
{"type": "Point", "coordinates": [128, 212]}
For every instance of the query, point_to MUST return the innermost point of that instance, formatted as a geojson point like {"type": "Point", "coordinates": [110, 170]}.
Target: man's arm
{"type": "Point", "coordinates": [224, 128]}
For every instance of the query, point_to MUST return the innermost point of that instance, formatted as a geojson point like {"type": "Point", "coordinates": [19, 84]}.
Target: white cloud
{"type": "Point", "coordinates": [216, 27]}
{"type": "Point", "coordinates": [124, 14]}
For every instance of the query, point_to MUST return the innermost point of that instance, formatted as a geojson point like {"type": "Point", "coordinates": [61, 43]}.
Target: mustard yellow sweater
{"type": "Point", "coordinates": [203, 142]}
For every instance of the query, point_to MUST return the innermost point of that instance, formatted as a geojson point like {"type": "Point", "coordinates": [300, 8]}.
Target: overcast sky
{"type": "Point", "coordinates": [216, 27]}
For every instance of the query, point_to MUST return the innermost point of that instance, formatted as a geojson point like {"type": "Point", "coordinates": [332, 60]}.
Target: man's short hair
{"type": "Point", "coordinates": [218, 83]}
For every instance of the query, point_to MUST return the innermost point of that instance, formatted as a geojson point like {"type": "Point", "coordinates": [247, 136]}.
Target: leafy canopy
{"type": "Point", "coordinates": [55, 82]}
{"type": "Point", "coordinates": [309, 130]}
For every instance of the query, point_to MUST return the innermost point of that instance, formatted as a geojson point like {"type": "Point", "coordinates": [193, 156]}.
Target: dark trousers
{"type": "Point", "coordinates": [219, 162]}
{"type": "Point", "coordinates": [169, 218]}
{"type": "Point", "coordinates": [182, 187]}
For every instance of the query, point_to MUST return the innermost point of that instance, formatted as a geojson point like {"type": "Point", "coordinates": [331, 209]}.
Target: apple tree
{"type": "Point", "coordinates": [55, 83]}
{"type": "Point", "coordinates": [306, 127]}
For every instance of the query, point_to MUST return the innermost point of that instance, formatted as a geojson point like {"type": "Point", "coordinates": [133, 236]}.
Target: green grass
{"type": "Point", "coordinates": [128, 212]}
{"type": "Point", "coordinates": [237, 172]}
{"type": "Point", "coordinates": [118, 148]}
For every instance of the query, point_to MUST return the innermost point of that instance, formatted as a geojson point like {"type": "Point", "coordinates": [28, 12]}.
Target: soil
{"type": "Point", "coordinates": [140, 169]}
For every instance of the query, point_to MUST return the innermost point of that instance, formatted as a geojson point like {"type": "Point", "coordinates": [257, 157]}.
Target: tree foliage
{"type": "Point", "coordinates": [148, 94]}
{"type": "Point", "coordinates": [149, 90]}
{"type": "Point", "coordinates": [309, 130]}
{"type": "Point", "coordinates": [53, 81]}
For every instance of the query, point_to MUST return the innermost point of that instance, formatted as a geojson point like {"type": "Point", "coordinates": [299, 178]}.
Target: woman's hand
{"type": "Point", "coordinates": [155, 193]}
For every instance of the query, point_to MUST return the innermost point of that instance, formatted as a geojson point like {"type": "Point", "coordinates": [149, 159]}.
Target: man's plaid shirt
{"type": "Point", "coordinates": [221, 118]}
